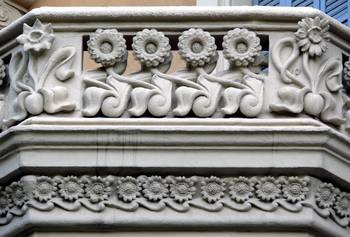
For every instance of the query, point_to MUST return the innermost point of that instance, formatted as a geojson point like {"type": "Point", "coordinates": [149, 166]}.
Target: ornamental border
{"type": "Point", "coordinates": [179, 193]}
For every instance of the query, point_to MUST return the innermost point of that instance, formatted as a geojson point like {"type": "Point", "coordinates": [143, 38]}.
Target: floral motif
{"type": "Point", "coordinates": [107, 47]}
{"type": "Point", "coordinates": [70, 188]}
{"type": "Point", "coordinates": [155, 188]}
{"type": "Point", "coordinates": [182, 189]}
{"type": "Point", "coordinates": [5, 203]}
{"type": "Point", "coordinates": [342, 205]}
{"type": "Point", "coordinates": [97, 189]}
{"type": "Point", "coordinates": [151, 47]}
{"type": "Point", "coordinates": [17, 194]}
{"type": "Point", "coordinates": [268, 189]}
{"type": "Point", "coordinates": [312, 35]}
{"type": "Point", "coordinates": [241, 189]}
{"type": "Point", "coordinates": [2, 71]}
{"type": "Point", "coordinates": [36, 38]}
{"type": "Point", "coordinates": [212, 189]}
{"type": "Point", "coordinates": [197, 47]}
{"type": "Point", "coordinates": [325, 195]}
{"type": "Point", "coordinates": [295, 189]}
{"type": "Point", "coordinates": [128, 188]}
{"type": "Point", "coordinates": [346, 76]}
{"type": "Point", "coordinates": [241, 47]}
{"type": "Point", "coordinates": [45, 189]}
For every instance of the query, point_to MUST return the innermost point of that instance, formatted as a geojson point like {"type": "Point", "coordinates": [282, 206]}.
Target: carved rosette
{"type": "Point", "coordinates": [181, 194]}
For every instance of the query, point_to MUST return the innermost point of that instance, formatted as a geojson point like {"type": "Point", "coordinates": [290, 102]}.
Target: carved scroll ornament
{"type": "Point", "coordinates": [156, 193]}
{"type": "Point", "coordinates": [176, 94]}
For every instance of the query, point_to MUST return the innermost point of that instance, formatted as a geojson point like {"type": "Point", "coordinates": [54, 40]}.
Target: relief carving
{"type": "Point", "coordinates": [28, 75]}
{"type": "Point", "coordinates": [314, 88]}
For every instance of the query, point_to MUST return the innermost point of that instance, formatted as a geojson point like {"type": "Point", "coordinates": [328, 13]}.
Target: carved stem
{"type": "Point", "coordinates": [32, 69]}
{"type": "Point", "coordinates": [307, 71]}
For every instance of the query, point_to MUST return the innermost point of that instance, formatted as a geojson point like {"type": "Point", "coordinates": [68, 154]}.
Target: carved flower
{"type": "Point", "coordinates": [241, 189]}
{"type": "Point", "coordinates": [97, 189]}
{"type": "Point", "coordinates": [70, 188]}
{"type": "Point", "coordinates": [342, 205]}
{"type": "Point", "coordinates": [151, 47]}
{"type": "Point", "coordinates": [268, 189]}
{"type": "Point", "coordinates": [5, 203]}
{"type": "Point", "coordinates": [325, 195]}
{"type": "Point", "coordinates": [2, 71]}
{"type": "Point", "coordinates": [295, 189]}
{"type": "Point", "coordinates": [346, 74]}
{"type": "Point", "coordinates": [107, 47]}
{"type": "Point", "coordinates": [197, 47]}
{"type": "Point", "coordinates": [212, 189]}
{"type": "Point", "coordinates": [17, 194]}
{"type": "Point", "coordinates": [241, 47]}
{"type": "Point", "coordinates": [36, 38]}
{"type": "Point", "coordinates": [128, 188]}
{"type": "Point", "coordinates": [312, 35]}
{"type": "Point", "coordinates": [45, 189]}
{"type": "Point", "coordinates": [155, 188]}
{"type": "Point", "coordinates": [182, 189]}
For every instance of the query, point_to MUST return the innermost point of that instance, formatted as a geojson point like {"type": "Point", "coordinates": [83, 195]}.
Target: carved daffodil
{"type": "Point", "coordinates": [107, 47]}
{"type": "Point", "coordinates": [151, 48]}
{"type": "Point", "coordinates": [37, 38]}
{"type": "Point", "coordinates": [312, 35]}
{"type": "Point", "coordinates": [197, 47]}
{"type": "Point", "coordinates": [128, 188]}
{"type": "Point", "coordinates": [241, 47]}
{"type": "Point", "coordinates": [212, 189]}
{"type": "Point", "coordinates": [241, 189]}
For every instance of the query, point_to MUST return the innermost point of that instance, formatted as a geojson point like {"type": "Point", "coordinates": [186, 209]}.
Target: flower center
{"type": "Point", "coordinates": [197, 47]}
{"type": "Point", "coordinates": [213, 189]}
{"type": "Point", "coordinates": [326, 194]}
{"type": "Point", "coordinates": [315, 35]}
{"type": "Point", "coordinates": [44, 188]}
{"type": "Point", "coordinates": [295, 189]}
{"type": "Point", "coordinates": [242, 188]}
{"type": "Point", "coordinates": [242, 47]}
{"type": "Point", "coordinates": [268, 188]}
{"type": "Point", "coordinates": [156, 187]}
{"type": "Point", "coordinates": [106, 47]}
{"type": "Point", "coordinates": [98, 189]}
{"type": "Point", "coordinates": [182, 189]}
{"type": "Point", "coordinates": [129, 188]}
{"type": "Point", "coordinates": [151, 48]}
{"type": "Point", "coordinates": [71, 187]}
{"type": "Point", "coordinates": [344, 203]}
{"type": "Point", "coordinates": [36, 35]}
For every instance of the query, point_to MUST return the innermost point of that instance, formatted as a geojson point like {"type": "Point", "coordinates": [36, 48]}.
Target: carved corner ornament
{"type": "Point", "coordinates": [191, 89]}
{"type": "Point", "coordinates": [31, 66]}
{"type": "Point", "coordinates": [179, 193]}
{"type": "Point", "coordinates": [316, 86]}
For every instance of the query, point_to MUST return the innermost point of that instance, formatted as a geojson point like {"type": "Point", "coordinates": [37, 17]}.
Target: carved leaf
{"type": "Point", "coordinates": [330, 72]}
{"type": "Point", "coordinates": [251, 103]}
{"type": "Point", "coordinates": [62, 58]}
{"type": "Point", "coordinates": [17, 68]}
{"type": "Point", "coordinates": [292, 99]}
{"type": "Point", "coordinates": [19, 111]}
{"type": "Point", "coordinates": [56, 100]}
{"type": "Point", "coordinates": [139, 98]}
{"type": "Point", "coordinates": [232, 97]}
{"type": "Point", "coordinates": [329, 112]}
{"type": "Point", "coordinates": [185, 97]}
{"type": "Point", "coordinates": [205, 106]}
{"type": "Point", "coordinates": [92, 100]}
{"type": "Point", "coordinates": [160, 103]}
